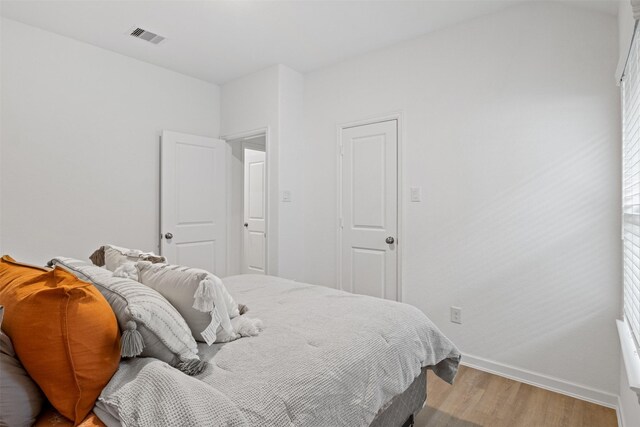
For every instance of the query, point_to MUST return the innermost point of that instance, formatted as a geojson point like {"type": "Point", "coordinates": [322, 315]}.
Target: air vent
{"type": "Point", "coordinates": [143, 34]}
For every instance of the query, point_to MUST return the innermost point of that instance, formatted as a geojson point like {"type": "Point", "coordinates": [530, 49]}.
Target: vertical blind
{"type": "Point", "coordinates": [631, 186]}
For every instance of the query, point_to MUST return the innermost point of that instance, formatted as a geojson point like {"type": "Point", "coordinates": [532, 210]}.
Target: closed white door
{"type": "Point", "coordinates": [369, 218]}
{"type": "Point", "coordinates": [193, 201]}
{"type": "Point", "coordinates": [254, 242]}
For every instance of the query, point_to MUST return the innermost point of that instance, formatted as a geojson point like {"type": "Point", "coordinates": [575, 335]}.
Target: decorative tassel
{"type": "Point", "coordinates": [131, 342]}
{"type": "Point", "coordinates": [242, 309]}
{"type": "Point", "coordinates": [191, 366]}
{"type": "Point", "coordinates": [210, 333]}
{"type": "Point", "coordinates": [204, 296]}
{"type": "Point", "coordinates": [97, 257]}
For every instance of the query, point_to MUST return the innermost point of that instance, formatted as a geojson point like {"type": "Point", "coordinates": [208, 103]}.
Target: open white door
{"type": "Point", "coordinates": [193, 201]}
{"type": "Point", "coordinates": [254, 242]}
{"type": "Point", "coordinates": [369, 214]}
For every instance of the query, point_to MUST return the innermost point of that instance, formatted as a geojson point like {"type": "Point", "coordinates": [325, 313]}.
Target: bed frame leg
{"type": "Point", "coordinates": [409, 422]}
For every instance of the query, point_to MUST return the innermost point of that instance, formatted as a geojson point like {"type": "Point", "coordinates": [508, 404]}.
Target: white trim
{"type": "Point", "coordinates": [546, 382]}
{"type": "Point", "coordinates": [630, 356]}
{"type": "Point", "coordinates": [246, 134]}
{"type": "Point", "coordinates": [620, 413]}
{"type": "Point", "coordinates": [400, 179]}
{"type": "Point", "coordinates": [339, 219]}
{"type": "Point", "coordinates": [266, 131]}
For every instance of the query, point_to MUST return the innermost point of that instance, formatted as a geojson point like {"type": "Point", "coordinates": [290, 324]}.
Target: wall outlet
{"type": "Point", "coordinates": [286, 196]}
{"type": "Point", "coordinates": [416, 195]}
{"type": "Point", "coordinates": [456, 315]}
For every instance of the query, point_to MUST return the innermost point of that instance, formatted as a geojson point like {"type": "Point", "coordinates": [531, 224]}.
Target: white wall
{"type": "Point", "coordinates": [511, 128]}
{"type": "Point", "coordinates": [292, 174]}
{"type": "Point", "coordinates": [272, 98]}
{"type": "Point", "coordinates": [80, 143]}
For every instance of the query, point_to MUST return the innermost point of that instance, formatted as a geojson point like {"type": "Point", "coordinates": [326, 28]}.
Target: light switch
{"type": "Point", "coordinates": [416, 194]}
{"type": "Point", "coordinates": [286, 196]}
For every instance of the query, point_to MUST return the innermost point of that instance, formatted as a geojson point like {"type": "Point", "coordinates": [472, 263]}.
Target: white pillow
{"type": "Point", "coordinates": [199, 296]}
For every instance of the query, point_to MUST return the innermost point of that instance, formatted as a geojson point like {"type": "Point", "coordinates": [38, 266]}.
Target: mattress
{"type": "Point", "coordinates": [325, 358]}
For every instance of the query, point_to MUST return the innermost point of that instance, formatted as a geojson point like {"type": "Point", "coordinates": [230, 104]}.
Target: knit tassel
{"type": "Point", "coordinates": [192, 366]}
{"type": "Point", "coordinates": [131, 342]}
{"type": "Point", "coordinates": [210, 333]}
{"type": "Point", "coordinates": [204, 296]}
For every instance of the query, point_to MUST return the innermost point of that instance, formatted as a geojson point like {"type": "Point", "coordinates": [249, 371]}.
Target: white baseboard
{"type": "Point", "coordinates": [543, 381]}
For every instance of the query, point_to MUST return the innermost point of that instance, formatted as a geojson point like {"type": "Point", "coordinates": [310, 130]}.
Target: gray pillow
{"type": "Point", "coordinates": [150, 325]}
{"type": "Point", "coordinates": [199, 296]}
{"type": "Point", "coordinates": [20, 397]}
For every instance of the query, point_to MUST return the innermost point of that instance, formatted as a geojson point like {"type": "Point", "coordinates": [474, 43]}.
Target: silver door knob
{"type": "Point", "coordinates": [168, 236]}
{"type": "Point", "coordinates": [390, 240]}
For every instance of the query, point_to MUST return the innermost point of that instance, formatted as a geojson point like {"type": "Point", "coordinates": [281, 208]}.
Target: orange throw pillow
{"type": "Point", "coordinates": [63, 331]}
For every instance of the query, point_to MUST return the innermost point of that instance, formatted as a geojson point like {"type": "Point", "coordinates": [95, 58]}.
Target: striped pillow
{"type": "Point", "coordinates": [151, 326]}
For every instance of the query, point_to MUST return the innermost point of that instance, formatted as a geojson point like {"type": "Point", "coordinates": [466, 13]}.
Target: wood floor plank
{"type": "Point", "coordinates": [480, 399]}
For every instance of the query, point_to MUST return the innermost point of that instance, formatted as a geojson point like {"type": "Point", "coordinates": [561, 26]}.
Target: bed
{"type": "Point", "coordinates": [325, 358]}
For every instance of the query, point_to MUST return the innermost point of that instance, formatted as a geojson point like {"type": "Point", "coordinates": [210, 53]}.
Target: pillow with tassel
{"type": "Point", "coordinates": [199, 296]}
{"type": "Point", "coordinates": [150, 325]}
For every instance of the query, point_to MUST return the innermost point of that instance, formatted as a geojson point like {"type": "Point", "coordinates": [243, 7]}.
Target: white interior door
{"type": "Point", "coordinates": [193, 201]}
{"type": "Point", "coordinates": [369, 219]}
{"type": "Point", "coordinates": [254, 242]}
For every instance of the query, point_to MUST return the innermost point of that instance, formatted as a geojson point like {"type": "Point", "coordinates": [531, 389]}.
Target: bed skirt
{"type": "Point", "coordinates": [400, 411]}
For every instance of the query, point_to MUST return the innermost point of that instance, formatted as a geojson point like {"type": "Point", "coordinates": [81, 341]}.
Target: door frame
{"type": "Point", "coordinates": [267, 146]}
{"type": "Point", "coordinates": [400, 179]}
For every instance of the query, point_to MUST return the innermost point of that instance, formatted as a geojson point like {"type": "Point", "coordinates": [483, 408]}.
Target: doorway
{"type": "Point", "coordinates": [368, 209]}
{"type": "Point", "coordinates": [248, 205]}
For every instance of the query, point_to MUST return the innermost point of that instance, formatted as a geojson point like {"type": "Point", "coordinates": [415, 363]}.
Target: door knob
{"type": "Point", "coordinates": [168, 236]}
{"type": "Point", "coordinates": [246, 224]}
{"type": "Point", "coordinates": [390, 240]}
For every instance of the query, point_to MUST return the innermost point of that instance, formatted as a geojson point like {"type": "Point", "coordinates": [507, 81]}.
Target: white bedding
{"type": "Point", "coordinates": [325, 358]}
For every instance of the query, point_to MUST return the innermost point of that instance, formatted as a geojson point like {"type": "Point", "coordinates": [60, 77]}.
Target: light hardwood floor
{"type": "Point", "coordinates": [482, 399]}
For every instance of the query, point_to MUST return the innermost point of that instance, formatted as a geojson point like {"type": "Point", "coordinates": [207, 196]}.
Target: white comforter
{"type": "Point", "coordinates": [325, 358]}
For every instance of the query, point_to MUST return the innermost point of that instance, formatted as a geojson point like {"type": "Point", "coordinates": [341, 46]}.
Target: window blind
{"type": "Point", "coordinates": [631, 186]}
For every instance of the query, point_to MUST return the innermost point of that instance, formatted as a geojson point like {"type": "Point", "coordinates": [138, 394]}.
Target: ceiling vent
{"type": "Point", "coordinates": [143, 34]}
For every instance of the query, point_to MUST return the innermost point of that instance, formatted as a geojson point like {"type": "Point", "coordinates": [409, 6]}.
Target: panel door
{"type": "Point", "coordinates": [254, 242]}
{"type": "Point", "coordinates": [193, 201]}
{"type": "Point", "coordinates": [369, 209]}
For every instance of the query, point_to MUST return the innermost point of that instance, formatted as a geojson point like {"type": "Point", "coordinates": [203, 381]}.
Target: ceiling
{"type": "Point", "coordinates": [218, 41]}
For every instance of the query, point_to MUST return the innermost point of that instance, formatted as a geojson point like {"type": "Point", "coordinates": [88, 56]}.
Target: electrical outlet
{"type": "Point", "coordinates": [456, 315]}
